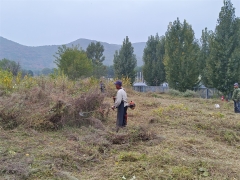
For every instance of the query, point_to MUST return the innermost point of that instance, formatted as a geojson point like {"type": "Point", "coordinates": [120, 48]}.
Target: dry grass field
{"type": "Point", "coordinates": [167, 137]}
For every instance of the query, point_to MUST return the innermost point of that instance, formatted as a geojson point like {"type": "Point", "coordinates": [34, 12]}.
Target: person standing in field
{"type": "Point", "coordinates": [102, 86]}
{"type": "Point", "coordinates": [121, 104]}
{"type": "Point", "coordinates": [236, 98]}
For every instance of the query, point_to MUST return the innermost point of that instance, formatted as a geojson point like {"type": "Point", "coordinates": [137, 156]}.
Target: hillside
{"type": "Point", "coordinates": [167, 137]}
{"type": "Point", "coordinates": [42, 56]}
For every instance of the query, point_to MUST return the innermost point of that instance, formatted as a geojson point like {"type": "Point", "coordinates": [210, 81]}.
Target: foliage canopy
{"type": "Point", "coordinates": [223, 63]}
{"type": "Point", "coordinates": [73, 62]}
{"type": "Point", "coordinates": [125, 61]}
{"type": "Point", "coordinates": [153, 69]}
{"type": "Point", "coordinates": [181, 56]}
{"type": "Point", "coordinates": [95, 53]}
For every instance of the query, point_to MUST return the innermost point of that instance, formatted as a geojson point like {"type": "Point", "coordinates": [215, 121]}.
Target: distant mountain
{"type": "Point", "coordinates": [39, 57]}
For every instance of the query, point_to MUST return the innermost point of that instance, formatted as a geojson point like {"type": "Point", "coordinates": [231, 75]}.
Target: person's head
{"type": "Point", "coordinates": [235, 85]}
{"type": "Point", "coordinates": [118, 84]}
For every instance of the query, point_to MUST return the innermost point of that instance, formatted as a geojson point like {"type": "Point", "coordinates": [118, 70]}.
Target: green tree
{"type": "Point", "coordinates": [181, 55]}
{"type": "Point", "coordinates": [236, 53]}
{"type": "Point", "coordinates": [30, 73]}
{"type": "Point", "coordinates": [150, 61]}
{"type": "Point", "coordinates": [223, 64]}
{"type": "Point", "coordinates": [110, 71]}
{"type": "Point", "coordinates": [73, 62]}
{"type": "Point", "coordinates": [204, 55]}
{"type": "Point", "coordinates": [160, 68]}
{"type": "Point", "coordinates": [26, 72]}
{"type": "Point", "coordinates": [95, 53]}
{"type": "Point", "coordinates": [153, 69]}
{"type": "Point", "coordinates": [9, 65]}
{"type": "Point", "coordinates": [46, 71]}
{"type": "Point", "coordinates": [138, 69]}
{"type": "Point", "coordinates": [125, 61]}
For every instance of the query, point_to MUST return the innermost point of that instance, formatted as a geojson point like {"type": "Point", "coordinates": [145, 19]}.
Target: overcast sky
{"type": "Point", "coordinates": [56, 22]}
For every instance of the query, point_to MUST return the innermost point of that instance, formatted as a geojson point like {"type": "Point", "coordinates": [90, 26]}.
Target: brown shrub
{"type": "Point", "coordinates": [134, 134]}
{"type": "Point", "coordinates": [102, 112]}
{"type": "Point", "coordinates": [96, 123]}
{"type": "Point", "coordinates": [15, 168]}
{"type": "Point", "coordinates": [88, 102]}
{"type": "Point", "coordinates": [141, 133]}
{"type": "Point", "coordinates": [153, 120]}
{"type": "Point", "coordinates": [44, 109]}
{"type": "Point", "coordinates": [120, 138]}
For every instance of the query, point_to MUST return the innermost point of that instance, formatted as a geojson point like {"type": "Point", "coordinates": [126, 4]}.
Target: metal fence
{"type": "Point", "coordinates": [203, 92]}
{"type": "Point", "coordinates": [159, 89]}
{"type": "Point", "coordinates": [207, 92]}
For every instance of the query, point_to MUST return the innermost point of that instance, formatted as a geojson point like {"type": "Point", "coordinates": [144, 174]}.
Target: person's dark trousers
{"type": "Point", "coordinates": [125, 117]}
{"type": "Point", "coordinates": [120, 115]}
{"type": "Point", "coordinates": [237, 106]}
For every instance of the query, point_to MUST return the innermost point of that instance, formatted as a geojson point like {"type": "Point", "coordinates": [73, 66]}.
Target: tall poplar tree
{"type": "Point", "coordinates": [204, 55]}
{"type": "Point", "coordinates": [181, 55]}
{"type": "Point", "coordinates": [236, 54]}
{"type": "Point", "coordinates": [160, 68]}
{"type": "Point", "coordinates": [153, 69]}
{"type": "Point", "coordinates": [223, 64]}
{"type": "Point", "coordinates": [95, 53]}
{"type": "Point", "coordinates": [125, 61]}
{"type": "Point", "coordinates": [150, 60]}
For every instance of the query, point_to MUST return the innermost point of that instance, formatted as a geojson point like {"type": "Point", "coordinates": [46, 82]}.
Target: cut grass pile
{"type": "Point", "coordinates": [166, 138]}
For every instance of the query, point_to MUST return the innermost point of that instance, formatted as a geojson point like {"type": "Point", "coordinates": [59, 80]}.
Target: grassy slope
{"type": "Point", "coordinates": [182, 139]}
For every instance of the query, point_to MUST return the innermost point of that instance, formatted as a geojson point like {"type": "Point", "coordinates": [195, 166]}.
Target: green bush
{"type": "Point", "coordinates": [187, 93]}
{"type": "Point", "coordinates": [174, 92]}
{"type": "Point", "coordinates": [190, 93]}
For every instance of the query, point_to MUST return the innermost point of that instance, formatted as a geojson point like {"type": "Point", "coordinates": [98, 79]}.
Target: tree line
{"type": "Point", "coordinates": [176, 57]}
{"type": "Point", "coordinates": [13, 67]}
{"type": "Point", "coordinates": [184, 62]}
{"type": "Point", "coordinates": [76, 63]}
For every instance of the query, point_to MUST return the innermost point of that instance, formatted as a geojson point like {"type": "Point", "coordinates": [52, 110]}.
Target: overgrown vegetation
{"type": "Point", "coordinates": [187, 93]}
{"type": "Point", "coordinates": [56, 128]}
{"type": "Point", "coordinates": [45, 103]}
